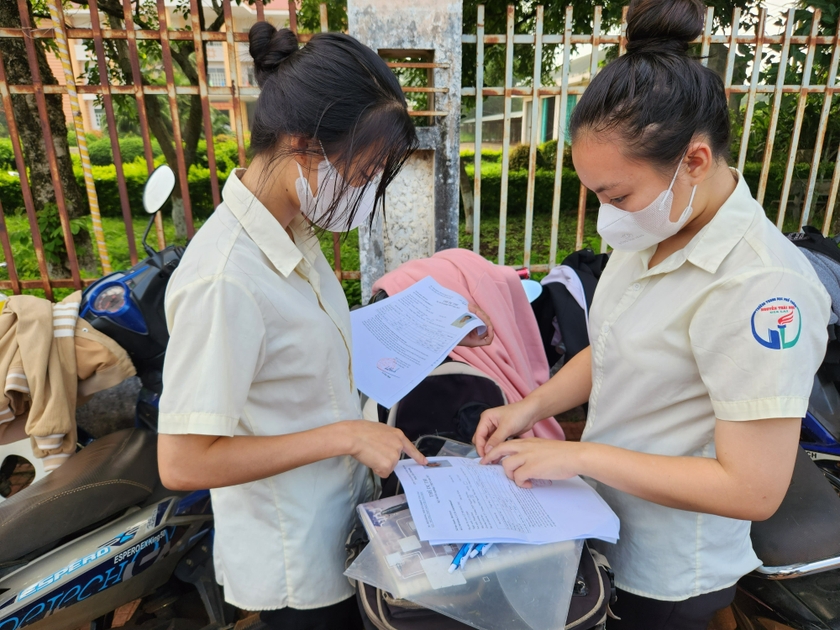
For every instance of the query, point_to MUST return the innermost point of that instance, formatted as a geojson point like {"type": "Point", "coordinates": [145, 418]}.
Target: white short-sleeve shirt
{"type": "Point", "coordinates": [733, 327]}
{"type": "Point", "coordinates": [260, 345]}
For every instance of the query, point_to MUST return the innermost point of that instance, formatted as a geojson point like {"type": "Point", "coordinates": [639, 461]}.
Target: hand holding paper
{"type": "Point", "coordinates": [398, 341]}
{"type": "Point", "coordinates": [535, 458]}
{"type": "Point", "coordinates": [478, 338]}
{"type": "Point", "coordinates": [458, 500]}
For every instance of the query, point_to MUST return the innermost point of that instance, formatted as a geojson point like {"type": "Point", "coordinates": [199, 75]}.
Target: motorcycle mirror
{"type": "Point", "coordinates": [158, 187]}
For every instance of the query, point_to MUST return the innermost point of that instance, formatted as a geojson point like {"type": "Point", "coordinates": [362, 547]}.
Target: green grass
{"type": "Point", "coordinates": [115, 238]}
{"type": "Point", "coordinates": [540, 238]}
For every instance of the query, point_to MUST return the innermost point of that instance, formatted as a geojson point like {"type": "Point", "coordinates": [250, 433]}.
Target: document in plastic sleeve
{"type": "Point", "coordinates": [397, 342]}
{"type": "Point", "coordinates": [492, 592]}
{"type": "Point", "coordinates": [458, 500]}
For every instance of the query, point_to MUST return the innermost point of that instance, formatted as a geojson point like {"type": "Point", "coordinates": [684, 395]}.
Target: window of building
{"type": "Point", "coordinates": [250, 76]}
{"type": "Point", "coordinates": [216, 77]}
{"type": "Point", "coordinates": [98, 118]}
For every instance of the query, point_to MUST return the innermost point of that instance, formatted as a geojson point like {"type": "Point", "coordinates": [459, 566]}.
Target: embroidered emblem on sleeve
{"type": "Point", "coordinates": [777, 323]}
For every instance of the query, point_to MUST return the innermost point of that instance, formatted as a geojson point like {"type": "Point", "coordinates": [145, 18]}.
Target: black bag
{"type": "Point", "coordinates": [556, 304]}
{"type": "Point", "coordinates": [811, 238]}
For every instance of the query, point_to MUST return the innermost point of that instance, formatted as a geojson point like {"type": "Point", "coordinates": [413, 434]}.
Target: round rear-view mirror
{"type": "Point", "coordinates": [158, 187]}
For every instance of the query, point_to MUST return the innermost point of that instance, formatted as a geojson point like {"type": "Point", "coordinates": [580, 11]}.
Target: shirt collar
{"type": "Point", "coordinates": [726, 228]}
{"type": "Point", "coordinates": [714, 242]}
{"type": "Point", "coordinates": [266, 231]}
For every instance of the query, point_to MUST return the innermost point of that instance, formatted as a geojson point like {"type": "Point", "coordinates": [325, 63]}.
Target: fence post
{"type": "Point", "coordinates": [422, 203]}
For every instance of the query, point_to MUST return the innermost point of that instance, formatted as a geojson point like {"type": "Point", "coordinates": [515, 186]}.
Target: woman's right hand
{"type": "Point", "coordinates": [500, 423]}
{"type": "Point", "coordinates": [379, 446]}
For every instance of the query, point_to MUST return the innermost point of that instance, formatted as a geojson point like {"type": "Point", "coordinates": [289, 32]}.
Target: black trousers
{"type": "Point", "coordinates": [344, 615]}
{"type": "Point", "coordinates": [642, 613]}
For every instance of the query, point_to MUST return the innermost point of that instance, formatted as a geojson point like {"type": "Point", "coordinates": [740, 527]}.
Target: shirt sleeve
{"type": "Point", "coordinates": [758, 340]}
{"type": "Point", "coordinates": [215, 350]}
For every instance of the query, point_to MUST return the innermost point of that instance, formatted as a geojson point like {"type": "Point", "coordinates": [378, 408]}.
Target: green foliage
{"type": "Point", "coordinates": [7, 155]}
{"type": "Point", "coordinates": [487, 155]}
{"type": "Point", "coordinates": [11, 195]}
{"type": "Point", "coordinates": [520, 156]}
{"type": "Point", "coordinates": [794, 69]}
{"type": "Point", "coordinates": [554, 21]}
{"type": "Point", "coordinates": [52, 234]}
{"type": "Point", "coordinates": [131, 148]}
{"type": "Point", "coordinates": [309, 16]}
{"type": "Point", "coordinates": [548, 150]}
{"type": "Point", "coordinates": [226, 152]}
{"type": "Point", "coordinates": [491, 183]}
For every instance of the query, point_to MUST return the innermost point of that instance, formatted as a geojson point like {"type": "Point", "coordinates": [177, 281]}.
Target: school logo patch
{"type": "Point", "coordinates": [777, 323]}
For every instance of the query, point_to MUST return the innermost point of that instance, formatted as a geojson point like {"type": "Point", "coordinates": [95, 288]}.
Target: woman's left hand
{"type": "Point", "coordinates": [535, 458]}
{"type": "Point", "coordinates": [474, 340]}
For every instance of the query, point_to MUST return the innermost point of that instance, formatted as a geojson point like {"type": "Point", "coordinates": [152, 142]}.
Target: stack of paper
{"type": "Point", "coordinates": [398, 341]}
{"type": "Point", "coordinates": [458, 500]}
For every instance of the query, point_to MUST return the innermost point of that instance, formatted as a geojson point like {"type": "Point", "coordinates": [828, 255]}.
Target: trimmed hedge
{"type": "Point", "coordinates": [202, 201]}
{"type": "Point", "coordinates": [570, 188]}
{"type": "Point", "coordinates": [107, 189]}
{"type": "Point", "coordinates": [491, 185]}
{"type": "Point", "coordinates": [131, 148]}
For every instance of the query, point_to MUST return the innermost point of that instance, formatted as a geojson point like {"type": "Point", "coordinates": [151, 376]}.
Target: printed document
{"type": "Point", "coordinates": [458, 500]}
{"type": "Point", "coordinates": [398, 341]}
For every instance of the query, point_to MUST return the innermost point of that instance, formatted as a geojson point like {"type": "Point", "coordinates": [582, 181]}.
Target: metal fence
{"type": "Point", "coordinates": [790, 49]}
{"type": "Point", "coordinates": [784, 50]}
{"type": "Point", "coordinates": [61, 35]}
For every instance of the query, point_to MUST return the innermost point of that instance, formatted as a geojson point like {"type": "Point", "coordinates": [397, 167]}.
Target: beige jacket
{"type": "Point", "coordinates": [50, 361]}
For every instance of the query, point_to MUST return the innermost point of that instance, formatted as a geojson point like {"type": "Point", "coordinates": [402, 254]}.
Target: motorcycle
{"type": "Point", "coordinates": [101, 531]}
{"type": "Point", "coordinates": [798, 586]}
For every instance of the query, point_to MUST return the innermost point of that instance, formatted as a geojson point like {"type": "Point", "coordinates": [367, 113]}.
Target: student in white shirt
{"type": "Point", "coordinates": [258, 401]}
{"type": "Point", "coordinates": [706, 330]}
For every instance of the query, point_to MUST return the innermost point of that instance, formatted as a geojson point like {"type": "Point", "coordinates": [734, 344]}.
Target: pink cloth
{"type": "Point", "coordinates": [516, 358]}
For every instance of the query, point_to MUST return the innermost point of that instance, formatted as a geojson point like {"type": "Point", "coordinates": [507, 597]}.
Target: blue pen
{"type": "Point", "coordinates": [460, 557]}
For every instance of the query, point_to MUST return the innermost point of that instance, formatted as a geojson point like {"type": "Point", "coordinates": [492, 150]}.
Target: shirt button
{"type": "Point", "coordinates": [637, 286]}
{"type": "Point", "coordinates": [605, 329]}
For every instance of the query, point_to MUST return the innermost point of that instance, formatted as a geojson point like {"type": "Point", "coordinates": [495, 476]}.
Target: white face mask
{"type": "Point", "coordinates": [635, 231]}
{"type": "Point", "coordinates": [330, 183]}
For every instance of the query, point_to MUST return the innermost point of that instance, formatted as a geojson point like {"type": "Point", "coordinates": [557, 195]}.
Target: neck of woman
{"type": "Point", "coordinates": [714, 192]}
{"type": "Point", "coordinates": [274, 187]}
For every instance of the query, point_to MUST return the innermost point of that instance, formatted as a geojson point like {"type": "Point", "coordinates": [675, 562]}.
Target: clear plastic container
{"type": "Point", "coordinates": [513, 587]}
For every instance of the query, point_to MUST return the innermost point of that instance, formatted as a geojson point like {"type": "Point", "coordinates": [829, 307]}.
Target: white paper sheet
{"type": "Point", "coordinates": [398, 341]}
{"type": "Point", "coordinates": [457, 500]}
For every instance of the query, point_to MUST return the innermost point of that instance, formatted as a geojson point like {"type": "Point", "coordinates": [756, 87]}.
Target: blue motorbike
{"type": "Point", "coordinates": [101, 532]}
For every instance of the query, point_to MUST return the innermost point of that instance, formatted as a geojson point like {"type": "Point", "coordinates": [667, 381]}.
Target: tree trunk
{"type": "Point", "coordinates": [468, 198]}
{"type": "Point", "coordinates": [160, 126]}
{"type": "Point", "coordinates": [32, 139]}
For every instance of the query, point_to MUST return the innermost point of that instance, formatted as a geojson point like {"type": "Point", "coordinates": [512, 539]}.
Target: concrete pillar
{"type": "Point", "coordinates": [421, 205]}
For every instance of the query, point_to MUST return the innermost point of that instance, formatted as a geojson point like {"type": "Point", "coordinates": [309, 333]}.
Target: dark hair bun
{"type": "Point", "coordinates": [269, 48]}
{"type": "Point", "coordinates": [662, 26]}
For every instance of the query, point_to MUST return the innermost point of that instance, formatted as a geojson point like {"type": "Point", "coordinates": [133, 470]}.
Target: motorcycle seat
{"type": "Point", "coordinates": [110, 475]}
{"type": "Point", "coordinates": [804, 528]}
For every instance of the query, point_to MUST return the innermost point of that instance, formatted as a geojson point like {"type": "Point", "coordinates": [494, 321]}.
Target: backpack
{"type": "Point", "coordinates": [556, 306]}
{"type": "Point", "coordinates": [811, 238]}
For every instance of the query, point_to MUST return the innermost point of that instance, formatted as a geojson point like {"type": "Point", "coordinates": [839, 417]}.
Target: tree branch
{"type": "Point", "coordinates": [114, 9]}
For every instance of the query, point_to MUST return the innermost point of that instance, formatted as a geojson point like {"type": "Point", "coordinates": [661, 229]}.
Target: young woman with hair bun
{"type": "Point", "coordinates": [706, 330]}
{"type": "Point", "coordinates": [259, 402]}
